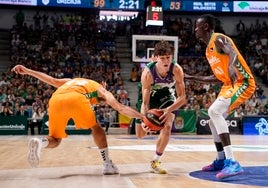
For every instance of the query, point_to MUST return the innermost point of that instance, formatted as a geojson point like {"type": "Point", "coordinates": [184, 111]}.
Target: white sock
{"type": "Point", "coordinates": [229, 152]}
{"type": "Point", "coordinates": [157, 156]}
{"type": "Point", "coordinates": [104, 154]}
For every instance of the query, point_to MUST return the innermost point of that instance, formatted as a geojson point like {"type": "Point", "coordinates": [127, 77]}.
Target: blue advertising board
{"type": "Point", "coordinates": [196, 6]}
{"type": "Point", "coordinates": [255, 125]}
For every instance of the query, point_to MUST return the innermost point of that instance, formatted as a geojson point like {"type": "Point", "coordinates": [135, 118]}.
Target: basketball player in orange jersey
{"type": "Point", "coordinates": [74, 99]}
{"type": "Point", "coordinates": [238, 85]}
{"type": "Point", "coordinates": [162, 87]}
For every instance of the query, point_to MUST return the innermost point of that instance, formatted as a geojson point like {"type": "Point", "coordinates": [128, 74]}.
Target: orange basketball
{"type": "Point", "coordinates": [152, 121]}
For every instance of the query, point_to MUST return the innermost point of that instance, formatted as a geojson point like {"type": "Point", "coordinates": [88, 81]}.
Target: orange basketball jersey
{"type": "Point", "coordinates": [219, 61]}
{"type": "Point", "coordinates": [83, 86]}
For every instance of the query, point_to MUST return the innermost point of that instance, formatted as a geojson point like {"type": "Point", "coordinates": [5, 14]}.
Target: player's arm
{"type": "Point", "coordinates": [19, 69]}
{"type": "Point", "coordinates": [223, 44]}
{"type": "Point", "coordinates": [202, 79]}
{"type": "Point", "coordinates": [146, 80]}
{"type": "Point", "coordinates": [122, 109]}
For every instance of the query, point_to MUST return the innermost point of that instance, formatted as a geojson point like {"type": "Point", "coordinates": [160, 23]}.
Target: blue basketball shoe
{"type": "Point", "coordinates": [231, 168]}
{"type": "Point", "coordinates": [214, 166]}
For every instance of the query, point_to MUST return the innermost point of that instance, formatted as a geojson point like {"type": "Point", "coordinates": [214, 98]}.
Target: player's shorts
{"type": "Point", "coordinates": [238, 94]}
{"type": "Point", "coordinates": [64, 106]}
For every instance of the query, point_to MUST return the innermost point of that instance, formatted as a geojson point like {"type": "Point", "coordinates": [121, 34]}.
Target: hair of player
{"type": "Point", "coordinates": [209, 19]}
{"type": "Point", "coordinates": [163, 48]}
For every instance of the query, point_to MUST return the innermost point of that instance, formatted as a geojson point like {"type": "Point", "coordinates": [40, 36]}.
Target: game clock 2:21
{"type": "Point", "coordinates": [129, 4]}
{"type": "Point", "coordinates": [118, 4]}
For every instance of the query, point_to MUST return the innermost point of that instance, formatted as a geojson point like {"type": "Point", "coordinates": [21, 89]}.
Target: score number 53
{"type": "Point", "coordinates": [175, 5]}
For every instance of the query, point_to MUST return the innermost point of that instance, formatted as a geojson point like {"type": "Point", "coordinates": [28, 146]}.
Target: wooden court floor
{"type": "Point", "coordinates": [77, 163]}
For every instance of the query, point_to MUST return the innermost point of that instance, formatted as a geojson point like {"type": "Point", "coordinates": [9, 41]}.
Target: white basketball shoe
{"type": "Point", "coordinates": [35, 146]}
{"type": "Point", "coordinates": [110, 168]}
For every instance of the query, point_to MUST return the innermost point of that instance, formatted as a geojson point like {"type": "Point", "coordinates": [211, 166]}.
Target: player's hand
{"type": "Point", "coordinates": [164, 116]}
{"type": "Point", "coordinates": [20, 69]}
{"type": "Point", "coordinates": [145, 128]}
{"type": "Point", "coordinates": [233, 75]}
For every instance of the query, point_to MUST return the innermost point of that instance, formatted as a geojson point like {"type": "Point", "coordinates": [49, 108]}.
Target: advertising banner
{"type": "Point", "coordinates": [250, 6]}
{"type": "Point", "coordinates": [65, 3]}
{"type": "Point", "coordinates": [204, 6]}
{"type": "Point", "coordinates": [19, 2]}
{"type": "Point", "coordinates": [234, 124]}
{"type": "Point", "coordinates": [255, 125]}
{"type": "Point", "coordinates": [13, 125]}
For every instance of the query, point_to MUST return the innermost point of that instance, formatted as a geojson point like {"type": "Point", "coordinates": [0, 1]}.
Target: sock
{"type": "Point", "coordinates": [45, 142]}
{"type": "Point", "coordinates": [220, 151]}
{"type": "Point", "coordinates": [104, 154]}
{"type": "Point", "coordinates": [229, 152]}
{"type": "Point", "coordinates": [220, 155]}
{"type": "Point", "coordinates": [157, 156]}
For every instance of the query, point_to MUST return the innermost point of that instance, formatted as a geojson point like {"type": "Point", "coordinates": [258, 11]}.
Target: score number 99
{"type": "Point", "coordinates": [175, 5]}
{"type": "Point", "coordinates": [99, 3]}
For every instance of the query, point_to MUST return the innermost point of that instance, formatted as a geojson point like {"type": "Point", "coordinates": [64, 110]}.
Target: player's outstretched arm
{"type": "Point", "coordinates": [122, 109]}
{"type": "Point", "coordinates": [202, 79]}
{"type": "Point", "coordinates": [20, 69]}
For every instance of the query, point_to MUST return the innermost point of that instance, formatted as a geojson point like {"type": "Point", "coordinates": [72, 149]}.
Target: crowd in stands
{"type": "Point", "coordinates": [252, 43]}
{"type": "Point", "coordinates": [84, 46]}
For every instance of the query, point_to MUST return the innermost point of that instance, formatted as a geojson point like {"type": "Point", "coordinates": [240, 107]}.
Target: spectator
{"type": "Point", "coordinates": [37, 118]}
{"type": "Point", "coordinates": [134, 75]}
{"type": "Point", "coordinates": [20, 17]}
{"type": "Point", "coordinates": [23, 111]}
{"type": "Point", "coordinates": [6, 111]}
{"type": "Point", "coordinates": [122, 93]}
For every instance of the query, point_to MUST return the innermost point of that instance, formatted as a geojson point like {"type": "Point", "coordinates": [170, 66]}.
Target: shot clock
{"type": "Point", "coordinates": [154, 15]}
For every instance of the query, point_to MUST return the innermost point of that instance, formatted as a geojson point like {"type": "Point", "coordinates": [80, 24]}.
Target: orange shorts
{"type": "Point", "coordinates": [238, 94]}
{"type": "Point", "coordinates": [63, 107]}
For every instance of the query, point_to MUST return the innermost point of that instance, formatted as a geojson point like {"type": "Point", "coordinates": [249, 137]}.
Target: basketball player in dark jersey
{"type": "Point", "coordinates": [162, 87]}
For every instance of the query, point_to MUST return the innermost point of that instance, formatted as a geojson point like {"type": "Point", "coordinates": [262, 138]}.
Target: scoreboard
{"type": "Point", "coordinates": [141, 5]}
{"type": "Point", "coordinates": [99, 4]}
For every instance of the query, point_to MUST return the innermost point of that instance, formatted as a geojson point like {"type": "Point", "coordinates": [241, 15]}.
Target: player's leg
{"type": "Point", "coordinates": [101, 141]}
{"type": "Point", "coordinates": [216, 111]}
{"type": "Point", "coordinates": [140, 132]}
{"type": "Point", "coordinates": [218, 163]}
{"type": "Point", "coordinates": [161, 144]}
{"type": "Point", "coordinates": [57, 123]}
{"type": "Point", "coordinates": [85, 118]}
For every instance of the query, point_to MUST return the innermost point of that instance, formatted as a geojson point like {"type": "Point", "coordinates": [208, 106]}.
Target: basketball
{"type": "Point", "coordinates": [152, 121]}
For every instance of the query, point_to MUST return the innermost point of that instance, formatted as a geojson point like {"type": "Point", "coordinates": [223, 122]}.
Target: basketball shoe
{"type": "Point", "coordinates": [35, 146]}
{"type": "Point", "coordinates": [156, 167]}
{"type": "Point", "coordinates": [231, 168]}
{"type": "Point", "coordinates": [110, 168]}
{"type": "Point", "coordinates": [215, 165]}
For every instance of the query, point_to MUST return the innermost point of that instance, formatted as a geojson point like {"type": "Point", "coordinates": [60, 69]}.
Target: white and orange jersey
{"type": "Point", "coordinates": [219, 62]}
{"type": "Point", "coordinates": [86, 87]}
{"type": "Point", "coordinates": [244, 87]}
